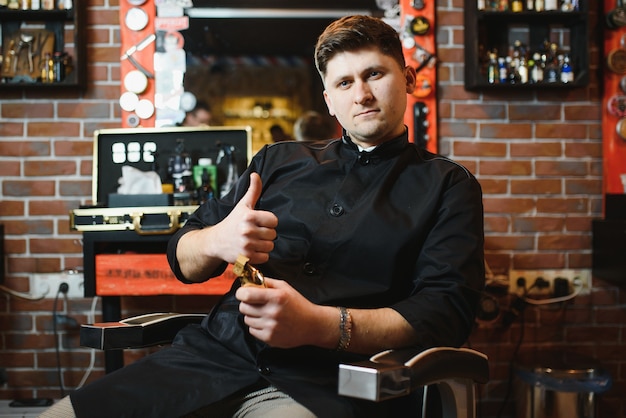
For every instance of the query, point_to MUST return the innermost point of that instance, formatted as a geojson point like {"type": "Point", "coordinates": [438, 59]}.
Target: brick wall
{"type": "Point", "coordinates": [537, 155]}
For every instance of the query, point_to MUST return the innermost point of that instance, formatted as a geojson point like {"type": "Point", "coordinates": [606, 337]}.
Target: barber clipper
{"type": "Point", "coordinates": [247, 275]}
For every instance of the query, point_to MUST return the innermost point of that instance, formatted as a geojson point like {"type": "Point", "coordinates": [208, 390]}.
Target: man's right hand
{"type": "Point", "coordinates": [245, 231]}
{"type": "Point", "coordinates": [248, 231]}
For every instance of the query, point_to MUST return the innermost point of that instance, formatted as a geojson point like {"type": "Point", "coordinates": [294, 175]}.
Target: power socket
{"type": "Point", "coordinates": [530, 276]}
{"type": "Point", "coordinates": [47, 285]}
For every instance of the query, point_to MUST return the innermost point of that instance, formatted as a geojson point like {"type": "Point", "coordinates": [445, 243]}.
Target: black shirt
{"type": "Point", "coordinates": [395, 227]}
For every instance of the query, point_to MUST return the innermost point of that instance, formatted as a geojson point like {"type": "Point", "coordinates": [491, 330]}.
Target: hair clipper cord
{"type": "Point", "coordinates": [247, 275]}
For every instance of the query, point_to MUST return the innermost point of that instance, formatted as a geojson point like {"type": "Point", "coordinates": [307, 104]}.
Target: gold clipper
{"type": "Point", "coordinates": [248, 275]}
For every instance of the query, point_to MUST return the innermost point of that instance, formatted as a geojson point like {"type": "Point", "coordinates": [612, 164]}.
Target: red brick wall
{"type": "Point", "coordinates": [537, 155]}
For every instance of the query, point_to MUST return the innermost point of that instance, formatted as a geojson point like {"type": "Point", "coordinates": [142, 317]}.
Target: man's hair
{"type": "Point", "coordinates": [312, 126]}
{"type": "Point", "coordinates": [351, 33]}
{"type": "Point", "coordinates": [201, 104]}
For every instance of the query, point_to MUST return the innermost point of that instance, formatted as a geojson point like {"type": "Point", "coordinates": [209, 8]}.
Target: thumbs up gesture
{"type": "Point", "coordinates": [248, 231]}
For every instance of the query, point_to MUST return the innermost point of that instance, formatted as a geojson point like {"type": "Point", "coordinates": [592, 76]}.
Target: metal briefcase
{"type": "Point", "coordinates": [148, 149]}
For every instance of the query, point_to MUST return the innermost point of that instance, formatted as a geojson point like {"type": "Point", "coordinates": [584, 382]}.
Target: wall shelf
{"type": "Point", "coordinates": [487, 31]}
{"type": "Point", "coordinates": [67, 26]}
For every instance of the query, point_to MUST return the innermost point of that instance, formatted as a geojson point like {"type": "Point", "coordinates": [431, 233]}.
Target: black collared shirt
{"type": "Point", "coordinates": [395, 227]}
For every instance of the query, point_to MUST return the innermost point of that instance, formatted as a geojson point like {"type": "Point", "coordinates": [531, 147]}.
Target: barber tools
{"type": "Point", "coordinates": [135, 81]}
{"type": "Point", "coordinates": [419, 26]}
{"type": "Point", "coordinates": [25, 42]}
{"type": "Point", "coordinates": [423, 57]}
{"type": "Point", "coordinates": [136, 19]}
{"type": "Point", "coordinates": [616, 18]}
{"type": "Point", "coordinates": [25, 55]}
{"type": "Point", "coordinates": [417, 4]}
{"type": "Point", "coordinates": [420, 124]}
{"type": "Point", "coordinates": [139, 47]}
{"type": "Point", "coordinates": [616, 60]}
{"type": "Point", "coordinates": [247, 275]}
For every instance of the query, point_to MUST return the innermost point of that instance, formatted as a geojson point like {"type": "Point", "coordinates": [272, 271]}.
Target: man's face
{"type": "Point", "coordinates": [366, 91]}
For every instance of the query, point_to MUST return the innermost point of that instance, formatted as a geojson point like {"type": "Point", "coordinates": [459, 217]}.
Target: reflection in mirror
{"type": "Point", "coordinates": [256, 91]}
{"type": "Point", "coordinates": [259, 71]}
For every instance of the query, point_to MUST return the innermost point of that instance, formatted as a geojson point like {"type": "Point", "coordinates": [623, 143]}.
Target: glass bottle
{"type": "Point", "coordinates": [59, 68]}
{"type": "Point", "coordinates": [539, 5]}
{"type": "Point", "coordinates": [567, 6]}
{"type": "Point", "coordinates": [513, 73]}
{"type": "Point", "coordinates": [205, 191]}
{"type": "Point", "coordinates": [551, 5]}
{"type": "Point", "coordinates": [536, 70]}
{"type": "Point", "coordinates": [551, 72]}
{"type": "Point", "coordinates": [517, 6]}
{"type": "Point", "coordinates": [502, 70]}
{"type": "Point", "coordinates": [567, 74]}
{"type": "Point", "coordinates": [492, 69]}
{"type": "Point", "coordinates": [530, 5]}
{"type": "Point", "coordinates": [50, 69]}
{"type": "Point", "coordinates": [522, 70]}
{"type": "Point", "coordinates": [45, 68]}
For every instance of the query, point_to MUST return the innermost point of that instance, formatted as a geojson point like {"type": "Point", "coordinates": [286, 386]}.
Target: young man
{"type": "Point", "coordinates": [367, 243]}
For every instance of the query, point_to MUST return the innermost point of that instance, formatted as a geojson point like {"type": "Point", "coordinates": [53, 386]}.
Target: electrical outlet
{"type": "Point", "coordinates": [47, 285]}
{"type": "Point", "coordinates": [530, 276]}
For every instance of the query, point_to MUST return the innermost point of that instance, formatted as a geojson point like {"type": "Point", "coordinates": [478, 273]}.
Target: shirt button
{"type": "Point", "coordinates": [364, 159]}
{"type": "Point", "coordinates": [308, 269]}
{"type": "Point", "coordinates": [264, 370]}
{"type": "Point", "coordinates": [336, 210]}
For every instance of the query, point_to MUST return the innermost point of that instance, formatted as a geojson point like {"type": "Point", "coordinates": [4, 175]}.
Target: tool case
{"type": "Point", "coordinates": [149, 149]}
{"type": "Point", "coordinates": [125, 235]}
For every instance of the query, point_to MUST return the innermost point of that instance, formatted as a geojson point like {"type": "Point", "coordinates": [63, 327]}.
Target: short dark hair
{"type": "Point", "coordinates": [311, 126]}
{"type": "Point", "coordinates": [201, 104]}
{"type": "Point", "coordinates": [355, 32]}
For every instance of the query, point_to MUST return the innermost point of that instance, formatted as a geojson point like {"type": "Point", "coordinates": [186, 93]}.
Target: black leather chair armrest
{"type": "Point", "coordinates": [136, 332]}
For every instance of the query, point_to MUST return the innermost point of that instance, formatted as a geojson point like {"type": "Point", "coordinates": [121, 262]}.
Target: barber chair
{"type": "Point", "coordinates": [452, 373]}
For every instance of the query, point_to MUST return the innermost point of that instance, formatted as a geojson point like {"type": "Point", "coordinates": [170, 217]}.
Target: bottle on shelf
{"type": "Point", "coordinates": [568, 6]}
{"type": "Point", "coordinates": [503, 75]}
{"type": "Point", "coordinates": [50, 68]}
{"type": "Point", "coordinates": [551, 5]}
{"type": "Point", "coordinates": [45, 68]}
{"type": "Point", "coordinates": [539, 5]}
{"type": "Point", "coordinates": [492, 69]}
{"type": "Point", "coordinates": [513, 72]}
{"type": "Point", "coordinates": [536, 70]}
{"type": "Point", "coordinates": [205, 191]}
{"type": "Point", "coordinates": [522, 70]}
{"type": "Point", "coordinates": [59, 67]}
{"type": "Point", "coordinates": [567, 74]}
{"type": "Point", "coordinates": [551, 72]}
{"type": "Point", "coordinates": [516, 6]}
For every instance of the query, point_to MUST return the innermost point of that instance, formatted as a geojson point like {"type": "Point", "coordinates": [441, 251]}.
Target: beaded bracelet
{"type": "Point", "coordinates": [345, 328]}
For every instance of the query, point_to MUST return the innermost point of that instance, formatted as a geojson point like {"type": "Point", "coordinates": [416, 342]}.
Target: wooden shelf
{"type": "Point", "coordinates": [62, 23]}
{"type": "Point", "coordinates": [495, 30]}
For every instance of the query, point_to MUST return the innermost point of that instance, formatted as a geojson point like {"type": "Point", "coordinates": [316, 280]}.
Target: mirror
{"type": "Point", "coordinates": [255, 66]}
